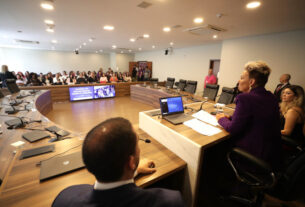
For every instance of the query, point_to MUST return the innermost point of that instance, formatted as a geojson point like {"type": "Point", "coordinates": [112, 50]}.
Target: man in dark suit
{"type": "Point", "coordinates": [111, 153]}
{"type": "Point", "coordinates": [284, 82]}
{"type": "Point", "coordinates": [5, 74]}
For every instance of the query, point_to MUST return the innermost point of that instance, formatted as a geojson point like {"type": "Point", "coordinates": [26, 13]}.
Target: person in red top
{"type": "Point", "coordinates": [210, 78]}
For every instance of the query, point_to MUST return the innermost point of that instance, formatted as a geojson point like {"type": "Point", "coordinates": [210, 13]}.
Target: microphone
{"type": "Point", "coordinates": [145, 140]}
{"type": "Point", "coordinates": [202, 105]}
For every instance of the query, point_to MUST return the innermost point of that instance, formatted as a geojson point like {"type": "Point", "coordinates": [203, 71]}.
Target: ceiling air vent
{"type": "Point", "coordinates": [205, 30]}
{"type": "Point", "coordinates": [144, 5]}
{"type": "Point", "coordinates": [27, 41]}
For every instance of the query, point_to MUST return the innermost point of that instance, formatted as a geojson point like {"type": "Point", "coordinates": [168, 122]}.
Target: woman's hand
{"type": "Point", "coordinates": [221, 115]}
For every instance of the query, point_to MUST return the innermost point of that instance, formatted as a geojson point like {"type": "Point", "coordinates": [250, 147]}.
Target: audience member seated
{"type": "Point", "coordinates": [103, 78]}
{"type": "Point", "coordinates": [126, 77]}
{"type": "Point", "coordinates": [255, 124]}
{"type": "Point", "coordinates": [284, 82]}
{"type": "Point", "coordinates": [292, 113]}
{"type": "Point", "coordinates": [42, 79]}
{"type": "Point", "coordinates": [111, 153]}
{"type": "Point", "coordinates": [92, 78]}
{"type": "Point", "coordinates": [120, 77]}
{"type": "Point", "coordinates": [81, 79]}
{"type": "Point", "coordinates": [20, 81]}
{"type": "Point", "coordinates": [49, 79]}
{"type": "Point", "coordinates": [34, 81]}
{"type": "Point", "coordinates": [5, 74]}
{"type": "Point", "coordinates": [210, 78]}
{"type": "Point", "coordinates": [114, 78]}
{"type": "Point", "coordinates": [57, 79]}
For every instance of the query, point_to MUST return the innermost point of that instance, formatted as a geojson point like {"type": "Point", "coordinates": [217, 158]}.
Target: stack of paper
{"type": "Point", "coordinates": [201, 127]}
{"type": "Point", "coordinates": [206, 117]}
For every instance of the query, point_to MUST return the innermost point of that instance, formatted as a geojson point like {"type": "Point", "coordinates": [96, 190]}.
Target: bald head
{"type": "Point", "coordinates": [285, 78]}
{"type": "Point", "coordinates": [107, 147]}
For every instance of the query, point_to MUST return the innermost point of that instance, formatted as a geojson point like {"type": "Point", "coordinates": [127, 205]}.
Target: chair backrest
{"type": "Point", "coordinates": [191, 86]}
{"type": "Point", "coordinates": [170, 82]}
{"type": "Point", "coordinates": [227, 96]}
{"type": "Point", "coordinates": [211, 91]}
{"type": "Point", "coordinates": [182, 84]}
{"type": "Point", "coordinates": [12, 86]}
{"type": "Point", "coordinates": [1, 95]}
{"type": "Point", "coordinates": [154, 81]}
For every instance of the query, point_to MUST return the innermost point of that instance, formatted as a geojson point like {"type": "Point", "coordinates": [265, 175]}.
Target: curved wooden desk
{"type": "Point", "coordinates": [21, 185]}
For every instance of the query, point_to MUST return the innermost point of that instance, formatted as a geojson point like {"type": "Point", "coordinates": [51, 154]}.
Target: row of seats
{"type": "Point", "coordinates": [183, 85]}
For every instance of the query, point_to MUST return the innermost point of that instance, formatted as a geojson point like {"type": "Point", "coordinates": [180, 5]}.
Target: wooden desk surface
{"type": "Point", "coordinates": [21, 186]}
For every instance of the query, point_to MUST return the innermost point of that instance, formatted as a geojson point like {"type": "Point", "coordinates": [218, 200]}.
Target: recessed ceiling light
{"type": "Point", "coordinates": [54, 41]}
{"type": "Point", "coordinates": [132, 39]}
{"type": "Point", "coordinates": [253, 4]}
{"type": "Point", "coordinates": [96, 51]}
{"type": "Point", "coordinates": [113, 46]}
{"type": "Point", "coordinates": [215, 36]}
{"type": "Point", "coordinates": [122, 52]}
{"type": "Point", "coordinates": [90, 40]}
{"type": "Point", "coordinates": [166, 29]}
{"type": "Point", "coordinates": [108, 27]}
{"type": "Point", "coordinates": [140, 48]}
{"type": "Point", "coordinates": [47, 4]}
{"type": "Point", "coordinates": [146, 35]}
{"type": "Point", "coordinates": [84, 44]}
{"type": "Point", "coordinates": [101, 50]}
{"type": "Point", "coordinates": [49, 22]}
{"type": "Point", "coordinates": [130, 50]}
{"type": "Point", "coordinates": [80, 46]}
{"type": "Point", "coordinates": [153, 46]}
{"type": "Point", "coordinates": [198, 20]}
{"type": "Point", "coordinates": [50, 30]}
{"type": "Point", "coordinates": [171, 43]}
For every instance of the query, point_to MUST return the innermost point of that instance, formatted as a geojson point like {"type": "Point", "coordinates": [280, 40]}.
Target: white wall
{"type": "Point", "coordinates": [45, 61]}
{"type": "Point", "coordinates": [190, 63]}
{"type": "Point", "coordinates": [122, 61]}
{"type": "Point", "coordinates": [283, 52]}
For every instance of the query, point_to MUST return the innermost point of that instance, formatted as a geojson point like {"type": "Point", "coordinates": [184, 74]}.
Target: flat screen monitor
{"type": "Point", "coordinates": [81, 93]}
{"type": "Point", "coordinates": [171, 105]}
{"type": "Point", "coordinates": [105, 91]}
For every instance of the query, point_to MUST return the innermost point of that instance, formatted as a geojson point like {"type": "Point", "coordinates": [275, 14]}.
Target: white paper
{"type": "Point", "coordinates": [206, 117]}
{"type": "Point", "coordinates": [202, 127]}
{"type": "Point", "coordinates": [17, 144]}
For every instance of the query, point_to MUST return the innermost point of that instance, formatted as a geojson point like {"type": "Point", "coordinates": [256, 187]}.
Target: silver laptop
{"type": "Point", "coordinates": [172, 110]}
{"type": "Point", "coordinates": [60, 165]}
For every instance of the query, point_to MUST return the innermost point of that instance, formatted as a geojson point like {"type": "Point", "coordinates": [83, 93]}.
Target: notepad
{"type": "Point", "coordinates": [202, 127]}
{"type": "Point", "coordinates": [206, 117]}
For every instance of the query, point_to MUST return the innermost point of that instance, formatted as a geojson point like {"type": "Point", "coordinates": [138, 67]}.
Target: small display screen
{"type": "Point", "coordinates": [106, 91]}
{"type": "Point", "coordinates": [91, 92]}
{"type": "Point", "coordinates": [171, 105]}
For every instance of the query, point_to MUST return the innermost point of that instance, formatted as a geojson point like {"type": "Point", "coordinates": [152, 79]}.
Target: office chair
{"type": "Point", "coordinates": [1, 95]}
{"type": "Point", "coordinates": [211, 91]}
{"type": "Point", "coordinates": [286, 185]}
{"type": "Point", "coordinates": [227, 96]}
{"type": "Point", "coordinates": [170, 82]}
{"type": "Point", "coordinates": [154, 81]}
{"type": "Point", "coordinates": [12, 86]}
{"type": "Point", "coordinates": [182, 84]}
{"type": "Point", "coordinates": [191, 86]}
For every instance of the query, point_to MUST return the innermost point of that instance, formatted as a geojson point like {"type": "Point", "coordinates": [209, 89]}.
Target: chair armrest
{"type": "Point", "coordinates": [291, 143]}
{"type": "Point", "coordinates": [255, 162]}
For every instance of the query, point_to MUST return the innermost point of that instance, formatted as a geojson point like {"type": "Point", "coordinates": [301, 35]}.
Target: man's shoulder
{"type": "Point", "coordinates": [166, 197]}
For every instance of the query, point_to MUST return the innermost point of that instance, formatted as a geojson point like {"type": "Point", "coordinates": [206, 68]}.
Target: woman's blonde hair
{"type": "Point", "coordinates": [298, 101]}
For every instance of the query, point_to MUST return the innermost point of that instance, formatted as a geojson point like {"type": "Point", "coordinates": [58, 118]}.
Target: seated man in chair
{"type": "Point", "coordinates": [111, 153]}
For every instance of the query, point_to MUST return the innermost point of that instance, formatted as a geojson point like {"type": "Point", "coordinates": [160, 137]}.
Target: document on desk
{"type": "Point", "coordinates": [206, 117]}
{"type": "Point", "coordinates": [202, 127]}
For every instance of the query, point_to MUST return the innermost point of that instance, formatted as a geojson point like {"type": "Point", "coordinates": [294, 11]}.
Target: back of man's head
{"type": "Point", "coordinates": [108, 147]}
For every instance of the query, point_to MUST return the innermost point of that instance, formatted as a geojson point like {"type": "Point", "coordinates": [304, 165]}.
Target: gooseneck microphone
{"type": "Point", "coordinates": [145, 140]}
{"type": "Point", "coordinates": [202, 105]}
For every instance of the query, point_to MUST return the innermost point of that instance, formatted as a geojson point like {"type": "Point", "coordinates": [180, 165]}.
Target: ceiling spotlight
{"type": "Point", "coordinates": [49, 22]}
{"type": "Point", "coordinates": [130, 50]}
{"type": "Point", "coordinates": [122, 52]}
{"type": "Point", "coordinates": [153, 46]}
{"type": "Point", "coordinates": [171, 43]}
{"type": "Point", "coordinates": [80, 47]}
{"type": "Point", "coordinates": [146, 35]}
{"type": "Point", "coordinates": [113, 46]}
{"type": "Point", "coordinates": [101, 50]}
{"type": "Point", "coordinates": [47, 4]}
{"type": "Point", "coordinates": [253, 4]}
{"type": "Point", "coordinates": [84, 44]}
{"type": "Point", "coordinates": [108, 27]}
{"type": "Point", "coordinates": [51, 30]}
{"type": "Point", "coordinates": [90, 40]}
{"type": "Point", "coordinates": [54, 41]}
{"type": "Point", "coordinates": [215, 36]}
{"type": "Point", "coordinates": [132, 40]}
{"type": "Point", "coordinates": [198, 20]}
{"type": "Point", "coordinates": [166, 29]}
{"type": "Point", "coordinates": [140, 49]}
{"type": "Point", "coordinates": [96, 51]}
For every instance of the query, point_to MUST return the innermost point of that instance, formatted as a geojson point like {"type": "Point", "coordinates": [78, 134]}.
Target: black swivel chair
{"type": "Point", "coordinates": [154, 81]}
{"type": "Point", "coordinates": [170, 82]}
{"type": "Point", "coordinates": [211, 91]}
{"type": "Point", "coordinates": [12, 86]}
{"type": "Point", "coordinates": [191, 86]}
{"type": "Point", "coordinates": [227, 96]}
{"type": "Point", "coordinates": [182, 84]}
{"type": "Point", "coordinates": [287, 185]}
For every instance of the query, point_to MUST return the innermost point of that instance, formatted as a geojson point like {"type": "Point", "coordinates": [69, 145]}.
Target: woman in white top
{"type": "Point", "coordinates": [103, 79]}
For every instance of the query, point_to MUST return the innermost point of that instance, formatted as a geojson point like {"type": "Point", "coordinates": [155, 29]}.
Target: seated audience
{"type": "Point", "coordinates": [103, 78]}
{"type": "Point", "coordinates": [20, 81]}
{"type": "Point", "coordinates": [114, 78]}
{"type": "Point", "coordinates": [34, 81]}
{"type": "Point", "coordinates": [255, 124]}
{"type": "Point", "coordinates": [81, 78]}
{"type": "Point", "coordinates": [284, 82]}
{"type": "Point", "coordinates": [92, 78]}
{"type": "Point", "coordinates": [126, 77]}
{"type": "Point", "coordinates": [210, 78]}
{"type": "Point", "coordinates": [120, 77]}
{"type": "Point", "coordinates": [57, 79]}
{"type": "Point", "coordinates": [111, 153]}
{"type": "Point", "coordinates": [292, 113]}
{"type": "Point", "coordinates": [49, 78]}
{"type": "Point", "coordinates": [42, 79]}
{"type": "Point", "coordinates": [5, 74]}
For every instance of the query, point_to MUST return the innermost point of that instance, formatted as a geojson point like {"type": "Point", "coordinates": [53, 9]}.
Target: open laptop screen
{"type": "Point", "coordinates": [171, 105]}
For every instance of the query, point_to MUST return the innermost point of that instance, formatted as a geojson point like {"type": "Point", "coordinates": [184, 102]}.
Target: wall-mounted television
{"type": "Point", "coordinates": [91, 92]}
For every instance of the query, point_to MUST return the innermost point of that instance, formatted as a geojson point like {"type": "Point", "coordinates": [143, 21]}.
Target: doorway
{"type": "Point", "coordinates": [215, 65]}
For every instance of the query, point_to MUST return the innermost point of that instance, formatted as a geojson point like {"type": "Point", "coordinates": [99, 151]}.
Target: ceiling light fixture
{"type": "Point", "coordinates": [54, 41]}
{"type": "Point", "coordinates": [122, 52]}
{"type": "Point", "coordinates": [49, 22]}
{"type": "Point", "coordinates": [215, 36]}
{"type": "Point", "coordinates": [146, 35]}
{"type": "Point", "coordinates": [198, 20]}
{"type": "Point", "coordinates": [130, 50]}
{"type": "Point", "coordinates": [101, 50]}
{"type": "Point", "coordinates": [84, 44]}
{"type": "Point", "coordinates": [171, 43]}
{"type": "Point", "coordinates": [90, 40]}
{"type": "Point", "coordinates": [108, 27]}
{"type": "Point", "coordinates": [253, 4]}
{"type": "Point", "coordinates": [166, 29]}
{"type": "Point", "coordinates": [132, 39]}
{"type": "Point", "coordinates": [153, 46]}
{"type": "Point", "coordinates": [96, 51]}
{"type": "Point", "coordinates": [113, 46]}
{"type": "Point", "coordinates": [140, 49]}
{"type": "Point", "coordinates": [47, 4]}
{"type": "Point", "coordinates": [80, 47]}
{"type": "Point", "coordinates": [51, 30]}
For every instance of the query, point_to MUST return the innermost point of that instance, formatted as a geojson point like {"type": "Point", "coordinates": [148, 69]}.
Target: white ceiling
{"type": "Point", "coordinates": [78, 20]}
